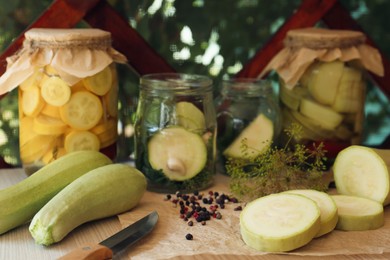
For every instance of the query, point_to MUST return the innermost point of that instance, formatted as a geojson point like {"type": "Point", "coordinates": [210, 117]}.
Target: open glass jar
{"type": "Point", "coordinates": [67, 94]}
{"type": "Point", "coordinates": [323, 75]}
{"type": "Point", "coordinates": [175, 132]}
{"type": "Point", "coordinates": [247, 112]}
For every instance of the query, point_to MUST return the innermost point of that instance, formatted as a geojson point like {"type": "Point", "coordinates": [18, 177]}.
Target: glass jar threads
{"type": "Point", "coordinates": [247, 114]}
{"type": "Point", "coordinates": [175, 132]}
{"type": "Point", "coordinates": [322, 75]}
{"type": "Point", "coordinates": [67, 93]}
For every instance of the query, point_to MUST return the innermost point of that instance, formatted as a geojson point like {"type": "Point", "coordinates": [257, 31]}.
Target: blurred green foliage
{"type": "Point", "coordinates": [209, 37]}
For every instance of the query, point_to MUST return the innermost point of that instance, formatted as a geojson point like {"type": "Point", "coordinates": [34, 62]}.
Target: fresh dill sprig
{"type": "Point", "coordinates": [260, 173]}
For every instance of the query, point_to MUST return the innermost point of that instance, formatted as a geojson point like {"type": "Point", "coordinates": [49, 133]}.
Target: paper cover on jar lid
{"type": "Point", "coordinates": [73, 53]}
{"type": "Point", "coordinates": [304, 46]}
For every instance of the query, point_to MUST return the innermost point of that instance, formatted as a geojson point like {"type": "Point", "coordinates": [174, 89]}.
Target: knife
{"type": "Point", "coordinates": [117, 242]}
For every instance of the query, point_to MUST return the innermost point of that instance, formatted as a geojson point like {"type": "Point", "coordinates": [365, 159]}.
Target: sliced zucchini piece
{"type": "Point", "coordinates": [363, 172]}
{"type": "Point", "coordinates": [292, 98]}
{"type": "Point", "coordinates": [179, 153]}
{"type": "Point", "coordinates": [259, 134]}
{"type": "Point", "coordinates": [328, 208]}
{"type": "Point", "coordinates": [325, 116]}
{"type": "Point", "coordinates": [190, 117]}
{"type": "Point", "coordinates": [279, 222]}
{"type": "Point", "coordinates": [325, 83]}
{"type": "Point", "coordinates": [358, 214]}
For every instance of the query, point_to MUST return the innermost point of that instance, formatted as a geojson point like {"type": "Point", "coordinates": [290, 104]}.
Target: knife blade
{"type": "Point", "coordinates": [117, 242]}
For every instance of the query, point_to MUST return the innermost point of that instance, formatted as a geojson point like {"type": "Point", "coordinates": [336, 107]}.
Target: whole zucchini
{"type": "Point", "coordinates": [19, 203]}
{"type": "Point", "coordinates": [103, 192]}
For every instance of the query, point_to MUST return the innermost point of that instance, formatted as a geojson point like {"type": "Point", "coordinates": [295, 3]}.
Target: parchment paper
{"type": "Point", "coordinates": [73, 53]}
{"type": "Point", "coordinates": [222, 237]}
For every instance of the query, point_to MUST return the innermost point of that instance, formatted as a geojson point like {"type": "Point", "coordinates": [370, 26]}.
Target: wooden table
{"type": "Point", "coordinates": [219, 239]}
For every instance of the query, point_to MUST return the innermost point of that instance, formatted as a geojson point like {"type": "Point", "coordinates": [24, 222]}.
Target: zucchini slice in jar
{"type": "Point", "coordinates": [178, 153]}
{"type": "Point", "coordinates": [190, 117]}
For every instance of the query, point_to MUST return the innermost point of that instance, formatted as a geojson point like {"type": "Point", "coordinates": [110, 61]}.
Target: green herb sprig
{"type": "Point", "coordinates": [260, 173]}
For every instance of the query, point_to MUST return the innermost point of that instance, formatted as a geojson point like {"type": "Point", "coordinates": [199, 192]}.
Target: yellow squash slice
{"type": "Point", "coordinates": [32, 102]}
{"type": "Point", "coordinates": [52, 111]}
{"type": "Point", "coordinates": [80, 141]}
{"type": "Point", "coordinates": [52, 155]}
{"type": "Point", "coordinates": [26, 133]}
{"type": "Point", "coordinates": [32, 80]}
{"type": "Point", "coordinates": [83, 111]}
{"type": "Point", "coordinates": [100, 83]}
{"type": "Point", "coordinates": [36, 147]}
{"type": "Point", "coordinates": [106, 132]}
{"type": "Point", "coordinates": [45, 125]}
{"type": "Point", "coordinates": [55, 91]}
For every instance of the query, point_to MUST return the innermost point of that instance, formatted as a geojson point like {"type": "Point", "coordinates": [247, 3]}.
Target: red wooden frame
{"type": "Point", "coordinates": [144, 60]}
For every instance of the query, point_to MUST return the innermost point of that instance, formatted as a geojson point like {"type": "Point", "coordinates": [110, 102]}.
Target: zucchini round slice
{"type": "Point", "coordinates": [179, 153]}
{"type": "Point", "coordinates": [279, 222]}
{"type": "Point", "coordinates": [363, 172]}
{"type": "Point", "coordinates": [356, 213]}
{"type": "Point", "coordinates": [190, 117]}
{"type": "Point", "coordinates": [259, 134]}
{"type": "Point", "coordinates": [328, 208]}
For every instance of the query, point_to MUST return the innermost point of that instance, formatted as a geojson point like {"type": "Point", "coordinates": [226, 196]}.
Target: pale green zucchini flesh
{"type": "Point", "coordinates": [327, 206]}
{"type": "Point", "coordinates": [363, 172]}
{"type": "Point", "coordinates": [358, 214]}
{"type": "Point", "coordinates": [279, 222]}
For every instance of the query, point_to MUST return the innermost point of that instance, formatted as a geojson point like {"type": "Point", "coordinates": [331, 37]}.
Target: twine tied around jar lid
{"type": "Point", "coordinates": [73, 53]}
{"type": "Point", "coordinates": [307, 45]}
{"type": "Point", "coordinates": [67, 38]}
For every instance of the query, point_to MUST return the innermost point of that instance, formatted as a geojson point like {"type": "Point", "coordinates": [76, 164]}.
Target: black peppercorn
{"type": "Point", "coordinates": [238, 208]}
{"type": "Point", "coordinates": [189, 236]}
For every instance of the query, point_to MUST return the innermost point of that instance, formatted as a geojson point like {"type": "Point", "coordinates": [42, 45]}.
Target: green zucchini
{"type": "Point", "coordinates": [21, 201]}
{"type": "Point", "coordinates": [103, 192]}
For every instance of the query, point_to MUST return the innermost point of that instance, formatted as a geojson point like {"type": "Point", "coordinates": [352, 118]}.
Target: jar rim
{"type": "Point", "coordinates": [175, 81]}
{"type": "Point", "coordinates": [248, 86]}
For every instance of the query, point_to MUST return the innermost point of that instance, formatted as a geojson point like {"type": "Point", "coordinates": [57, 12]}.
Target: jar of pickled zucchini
{"type": "Point", "coordinates": [175, 132]}
{"type": "Point", "coordinates": [67, 93]}
{"type": "Point", "coordinates": [247, 114]}
{"type": "Point", "coordinates": [323, 74]}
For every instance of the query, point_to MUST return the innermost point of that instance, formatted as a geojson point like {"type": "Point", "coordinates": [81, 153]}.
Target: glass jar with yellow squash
{"type": "Point", "coordinates": [68, 94]}
{"type": "Point", "coordinates": [323, 75]}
